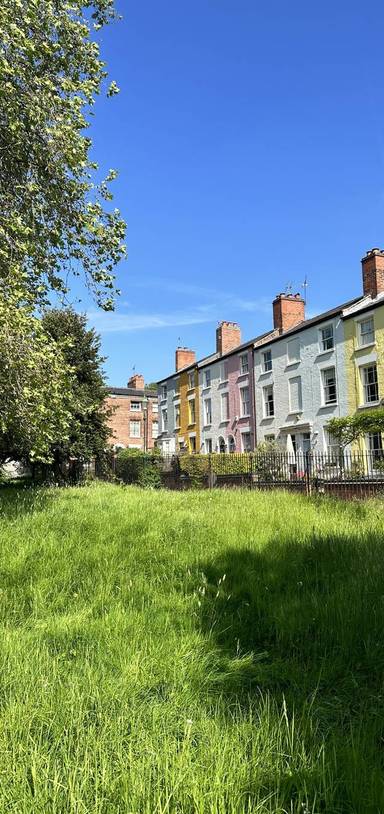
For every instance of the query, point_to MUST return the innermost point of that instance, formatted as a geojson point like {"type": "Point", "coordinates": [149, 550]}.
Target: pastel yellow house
{"type": "Point", "coordinates": [364, 347]}
{"type": "Point", "coordinates": [189, 419]}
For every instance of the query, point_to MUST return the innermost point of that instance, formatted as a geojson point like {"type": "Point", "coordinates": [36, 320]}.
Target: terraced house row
{"type": "Point", "coordinates": [284, 385]}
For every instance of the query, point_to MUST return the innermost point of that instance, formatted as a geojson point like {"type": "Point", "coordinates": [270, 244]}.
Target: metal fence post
{"type": "Point", "coordinates": [308, 485]}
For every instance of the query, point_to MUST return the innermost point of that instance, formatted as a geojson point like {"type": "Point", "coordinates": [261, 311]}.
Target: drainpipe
{"type": "Point", "coordinates": [254, 398]}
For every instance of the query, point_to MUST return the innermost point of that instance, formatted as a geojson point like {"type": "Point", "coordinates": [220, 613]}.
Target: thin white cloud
{"type": "Point", "coordinates": [112, 322]}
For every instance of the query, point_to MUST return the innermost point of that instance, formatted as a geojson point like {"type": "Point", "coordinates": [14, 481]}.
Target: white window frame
{"type": "Point", "coordinates": [323, 340]}
{"type": "Point", "coordinates": [207, 377]}
{"type": "Point", "coordinates": [292, 408]}
{"type": "Point", "coordinates": [365, 385]}
{"type": "Point", "coordinates": [191, 413]}
{"type": "Point", "coordinates": [231, 443]}
{"type": "Point", "coordinates": [135, 407]}
{"type": "Point", "coordinates": [224, 400]}
{"type": "Point", "coordinates": [155, 429]}
{"type": "Point", "coordinates": [244, 364]}
{"type": "Point", "coordinates": [266, 366]}
{"type": "Point", "coordinates": [191, 379]}
{"type": "Point", "coordinates": [177, 386]}
{"type": "Point", "coordinates": [370, 334]}
{"type": "Point", "coordinates": [137, 423]}
{"type": "Point", "coordinates": [325, 386]}
{"type": "Point", "coordinates": [245, 413]}
{"type": "Point", "coordinates": [371, 447]}
{"type": "Point", "coordinates": [267, 403]}
{"type": "Point", "coordinates": [164, 419]}
{"type": "Point", "coordinates": [245, 434]}
{"type": "Point", "coordinates": [223, 372]}
{"type": "Point", "coordinates": [208, 446]}
{"type": "Point", "coordinates": [164, 392]}
{"type": "Point", "coordinates": [155, 407]}
{"type": "Point", "coordinates": [296, 359]}
{"type": "Point", "coordinates": [177, 416]}
{"type": "Point", "coordinates": [207, 413]}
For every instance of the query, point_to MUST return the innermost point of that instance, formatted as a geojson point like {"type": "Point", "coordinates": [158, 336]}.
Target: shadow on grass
{"type": "Point", "coordinates": [17, 500]}
{"type": "Point", "coordinates": [301, 624]}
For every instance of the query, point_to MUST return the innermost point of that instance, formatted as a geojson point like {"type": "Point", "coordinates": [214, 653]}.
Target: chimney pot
{"type": "Point", "coordinates": [136, 381]}
{"type": "Point", "coordinates": [184, 357]}
{"type": "Point", "coordinates": [228, 337]}
{"type": "Point", "coordinates": [373, 272]}
{"type": "Point", "coordinates": [288, 311]}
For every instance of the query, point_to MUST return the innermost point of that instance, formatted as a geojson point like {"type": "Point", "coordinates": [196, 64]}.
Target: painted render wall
{"type": "Point", "coordinates": [231, 385]}
{"type": "Point", "coordinates": [188, 429]}
{"type": "Point", "coordinates": [313, 416]}
{"type": "Point", "coordinates": [356, 356]}
{"type": "Point", "coordinates": [166, 438]}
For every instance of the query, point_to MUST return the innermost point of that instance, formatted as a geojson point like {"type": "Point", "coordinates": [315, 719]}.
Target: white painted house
{"type": "Point", "coordinates": [300, 379]}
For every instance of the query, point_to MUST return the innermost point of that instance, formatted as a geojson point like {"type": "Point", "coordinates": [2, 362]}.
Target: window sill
{"type": "Point", "coordinates": [192, 424]}
{"type": "Point", "coordinates": [207, 426]}
{"type": "Point", "coordinates": [368, 346]}
{"type": "Point", "coordinates": [241, 375]}
{"type": "Point", "coordinates": [224, 381]}
{"type": "Point", "coordinates": [205, 388]}
{"type": "Point", "coordinates": [292, 364]}
{"type": "Point", "coordinates": [325, 352]}
{"type": "Point", "coordinates": [329, 406]}
{"type": "Point", "coordinates": [224, 421]}
{"type": "Point", "coordinates": [368, 405]}
{"type": "Point", "coordinates": [246, 415]}
{"type": "Point", "coordinates": [266, 372]}
{"type": "Point", "coordinates": [298, 412]}
{"type": "Point", "coordinates": [268, 417]}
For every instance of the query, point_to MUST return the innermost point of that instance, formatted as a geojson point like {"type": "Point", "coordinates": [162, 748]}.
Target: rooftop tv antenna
{"type": "Point", "coordinates": [305, 285]}
{"type": "Point", "coordinates": [288, 287]}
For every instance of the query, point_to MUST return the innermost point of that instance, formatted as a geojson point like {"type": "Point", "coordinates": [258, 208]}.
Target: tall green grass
{"type": "Point", "coordinates": [192, 653]}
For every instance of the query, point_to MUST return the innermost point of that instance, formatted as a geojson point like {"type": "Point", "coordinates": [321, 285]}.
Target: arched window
{"type": "Point", "coordinates": [222, 445]}
{"type": "Point", "coordinates": [231, 444]}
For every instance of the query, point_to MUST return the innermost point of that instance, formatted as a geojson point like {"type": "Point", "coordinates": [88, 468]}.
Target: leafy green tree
{"type": "Point", "coordinates": [35, 385]}
{"type": "Point", "coordinates": [54, 217]}
{"type": "Point", "coordinates": [348, 429]}
{"type": "Point", "coordinates": [89, 431]}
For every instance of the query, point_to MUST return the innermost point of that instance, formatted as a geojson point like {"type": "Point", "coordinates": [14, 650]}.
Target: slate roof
{"type": "Point", "coordinates": [131, 391]}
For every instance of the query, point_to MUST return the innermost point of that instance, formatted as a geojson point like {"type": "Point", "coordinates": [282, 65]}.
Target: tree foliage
{"type": "Point", "coordinates": [54, 219]}
{"type": "Point", "coordinates": [35, 385]}
{"type": "Point", "coordinates": [88, 432]}
{"type": "Point", "coordinates": [348, 429]}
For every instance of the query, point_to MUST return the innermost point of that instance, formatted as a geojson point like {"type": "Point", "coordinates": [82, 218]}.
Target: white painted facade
{"type": "Point", "coordinates": [308, 382]}
{"type": "Point", "coordinates": [168, 401]}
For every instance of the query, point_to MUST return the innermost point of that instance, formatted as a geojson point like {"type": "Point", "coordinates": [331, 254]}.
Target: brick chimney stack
{"type": "Point", "coordinates": [288, 311]}
{"type": "Point", "coordinates": [184, 357]}
{"type": "Point", "coordinates": [373, 272]}
{"type": "Point", "coordinates": [228, 336]}
{"type": "Point", "coordinates": [136, 381]}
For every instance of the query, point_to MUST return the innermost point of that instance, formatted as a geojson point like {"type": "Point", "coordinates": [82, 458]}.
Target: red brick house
{"type": "Point", "coordinates": [134, 422]}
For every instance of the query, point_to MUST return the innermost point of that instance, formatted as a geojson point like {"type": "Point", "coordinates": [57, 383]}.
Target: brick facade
{"type": "Point", "coordinates": [373, 272]}
{"type": "Point", "coordinates": [184, 357]}
{"type": "Point", "coordinates": [288, 311]}
{"type": "Point", "coordinates": [228, 336]}
{"type": "Point", "coordinates": [129, 415]}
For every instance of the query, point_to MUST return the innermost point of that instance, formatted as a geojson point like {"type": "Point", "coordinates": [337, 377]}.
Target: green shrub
{"type": "Point", "coordinates": [135, 466]}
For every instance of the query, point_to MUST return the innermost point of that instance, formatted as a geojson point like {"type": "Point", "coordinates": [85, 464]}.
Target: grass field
{"type": "Point", "coordinates": [192, 653]}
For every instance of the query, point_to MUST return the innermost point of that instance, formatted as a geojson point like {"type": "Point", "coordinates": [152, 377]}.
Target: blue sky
{"type": "Point", "coordinates": [249, 139]}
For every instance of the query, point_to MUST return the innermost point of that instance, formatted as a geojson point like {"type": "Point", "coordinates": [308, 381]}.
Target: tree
{"type": "Point", "coordinates": [89, 430]}
{"type": "Point", "coordinates": [348, 429]}
{"type": "Point", "coordinates": [53, 216]}
{"type": "Point", "coordinates": [35, 385]}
